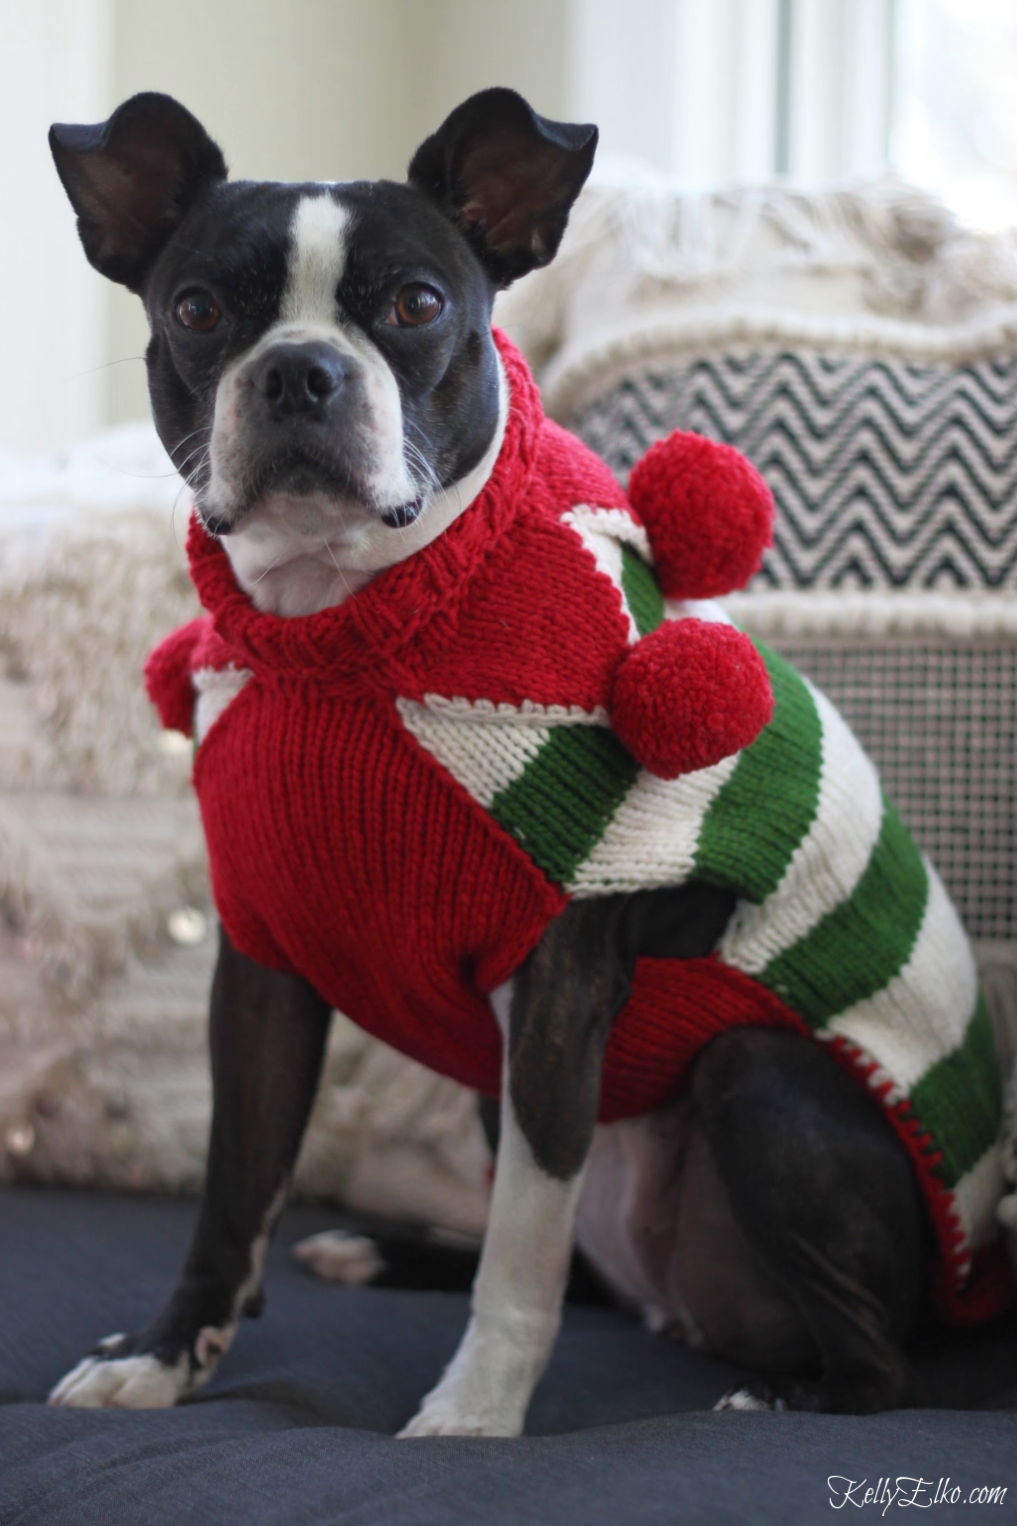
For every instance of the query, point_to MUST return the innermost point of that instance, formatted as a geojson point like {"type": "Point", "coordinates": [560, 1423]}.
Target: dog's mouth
{"type": "Point", "coordinates": [305, 478]}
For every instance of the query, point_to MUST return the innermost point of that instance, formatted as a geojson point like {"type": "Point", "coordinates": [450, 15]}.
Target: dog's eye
{"type": "Point", "coordinates": [414, 306]}
{"type": "Point", "coordinates": [198, 310]}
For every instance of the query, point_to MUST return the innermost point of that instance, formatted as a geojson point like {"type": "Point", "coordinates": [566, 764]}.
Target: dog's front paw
{"type": "Point", "coordinates": [470, 1402]}
{"type": "Point", "coordinates": [439, 1416]}
{"type": "Point", "coordinates": [485, 1389]}
{"type": "Point", "coordinates": [119, 1374]}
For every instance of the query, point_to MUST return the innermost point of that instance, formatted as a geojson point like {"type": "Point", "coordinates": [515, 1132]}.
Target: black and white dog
{"type": "Point", "coordinates": [353, 321]}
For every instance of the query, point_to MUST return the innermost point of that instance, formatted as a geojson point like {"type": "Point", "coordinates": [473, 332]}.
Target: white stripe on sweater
{"type": "Point", "coordinates": [923, 1013]}
{"type": "Point", "coordinates": [652, 838]}
{"type": "Point", "coordinates": [607, 553]}
{"type": "Point", "coordinates": [602, 532]}
{"type": "Point", "coordinates": [614, 524]}
{"type": "Point", "coordinates": [827, 864]}
{"type": "Point", "coordinates": [976, 1196]}
{"type": "Point", "coordinates": [215, 690]}
{"type": "Point", "coordinates": [485, 759]}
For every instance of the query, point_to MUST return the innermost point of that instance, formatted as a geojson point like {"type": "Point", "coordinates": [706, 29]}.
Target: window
{"type": "Point", "coordinates": [955, 114]}
{"type": "Point", "coordinates": [715, 91]}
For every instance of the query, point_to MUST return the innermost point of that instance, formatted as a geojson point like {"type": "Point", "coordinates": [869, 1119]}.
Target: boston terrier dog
{"type": "Point", "coordinates": [324, 375]}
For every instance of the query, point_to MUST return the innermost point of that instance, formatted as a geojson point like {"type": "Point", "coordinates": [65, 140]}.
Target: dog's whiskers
{"type": "Point", "coordinates": [344, 580]}
{"type": "Point", "coordinates": [266, 570]}
{"type": "Point", "coordinates": [199, 458]}
{"type": "Point", "coordinates": [420, 471]}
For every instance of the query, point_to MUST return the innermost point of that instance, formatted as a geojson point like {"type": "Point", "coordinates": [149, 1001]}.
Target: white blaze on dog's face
{"type": "Point", "coordinates": [309, 316]}
{"type": "Point", "coordinates": [301, 546]}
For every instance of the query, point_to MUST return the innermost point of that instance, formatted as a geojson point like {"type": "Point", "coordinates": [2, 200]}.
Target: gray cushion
{"type": "Point", "coordinates": [298, 1425]}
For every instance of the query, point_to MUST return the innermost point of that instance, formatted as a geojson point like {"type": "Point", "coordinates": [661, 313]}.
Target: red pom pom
{"type": "Point", "coordinates": [689, 694]}
{"type": "Point", "coordinates": [168, 676]}
{"type": "Point", "coordinates": [707, 511]}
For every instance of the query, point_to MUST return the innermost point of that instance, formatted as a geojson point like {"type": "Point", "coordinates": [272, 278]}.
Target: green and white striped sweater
{"type": "Point", "coordinates": [840, 915]}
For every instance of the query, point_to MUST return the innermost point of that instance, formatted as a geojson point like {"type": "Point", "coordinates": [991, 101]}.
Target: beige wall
{"type": "Point", "coordinates": [321, 89]}
{"type": "Point", "coordinates": [53, 66]}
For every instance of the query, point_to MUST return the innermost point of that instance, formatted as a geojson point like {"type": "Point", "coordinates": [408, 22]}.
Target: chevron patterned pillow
{"type": "Point", "coordinates": [888, 472]}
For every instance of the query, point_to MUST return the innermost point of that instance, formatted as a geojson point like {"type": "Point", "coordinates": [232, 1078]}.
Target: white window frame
{"type": "Point", "coordinates": [720, 91]}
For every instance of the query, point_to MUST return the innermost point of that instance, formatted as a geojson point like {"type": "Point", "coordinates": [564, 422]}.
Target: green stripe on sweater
{"type": "Point", "coordinates": [960, 1099]}
{"type": "Point", "coordinates": [859, 946]}
{"type": "Point", "coordinates": [560, 804]}
{"type": "Point", "coordinates": [642, 591]}
{"type": "Point", "coordinates": [761, 814]}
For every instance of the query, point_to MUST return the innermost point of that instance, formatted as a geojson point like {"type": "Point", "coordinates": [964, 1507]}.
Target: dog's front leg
{"type": "Point", "coordinates": [267, 1039]}
{"type": "Point", "coordinates": [555, 1015]}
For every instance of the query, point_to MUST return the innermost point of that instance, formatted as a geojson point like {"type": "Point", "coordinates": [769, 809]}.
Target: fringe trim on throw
{"type": "Point", "coordinates": [78, 614]}
{"type": "Point", "coordinates": [79, 944]}
{"type": "Point", "coordinates": [680, 238]}
{"type": "Point", "coordinates": [647, 267]}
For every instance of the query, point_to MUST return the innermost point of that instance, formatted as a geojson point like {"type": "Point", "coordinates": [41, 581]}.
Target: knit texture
{"type": "Point", "coordinates": [399, 795]}
{"type": "Point", "coordinates": [708, 513]}
{"type": "Point", "coordinates": [689, 694]}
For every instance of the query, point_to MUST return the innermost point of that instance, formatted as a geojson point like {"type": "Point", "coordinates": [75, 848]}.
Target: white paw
{"type": "Point", "coordinates": [130, 1382]}
{"type": "Point", "coordinates": [468, 1403]}
{"type": "Point", "coordinates": [745, 1399]}
{"type": "Point", "coordinates": [443, 1417]}
{"type": "Point", "coordinates": [337, 1255]}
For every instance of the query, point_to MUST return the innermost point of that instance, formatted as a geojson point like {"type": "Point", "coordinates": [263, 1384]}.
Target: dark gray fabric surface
{"type": "Point", "coordinates": [298, 1425]}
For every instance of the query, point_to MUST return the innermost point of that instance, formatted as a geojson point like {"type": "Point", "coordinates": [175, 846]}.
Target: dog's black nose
{"type": "Point", "coordinates": [298, 378]}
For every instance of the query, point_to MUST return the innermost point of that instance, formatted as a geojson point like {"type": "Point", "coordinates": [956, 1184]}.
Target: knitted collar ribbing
{"type": "Point", "coordinates": [399, 601]}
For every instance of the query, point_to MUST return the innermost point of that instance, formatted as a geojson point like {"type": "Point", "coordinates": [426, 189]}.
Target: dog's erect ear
{"type": "Point", "coordinates": [131, 179]}
{"type": "Point", "coordinates": [507, 177]}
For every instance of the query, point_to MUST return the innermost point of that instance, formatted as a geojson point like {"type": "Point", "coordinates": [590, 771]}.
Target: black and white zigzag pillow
{"type": "Point", "coordinates": [888, 473]}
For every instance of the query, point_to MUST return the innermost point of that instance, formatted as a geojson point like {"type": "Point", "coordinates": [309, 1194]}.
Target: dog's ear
{"type": "Point", "coordinates": [131, 179]}
{"type": "Point", "coordinates": [507, 177]}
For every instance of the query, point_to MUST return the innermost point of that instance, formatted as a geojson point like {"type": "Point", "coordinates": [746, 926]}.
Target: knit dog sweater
{"type": "Point", "coordinates": [400, 793]}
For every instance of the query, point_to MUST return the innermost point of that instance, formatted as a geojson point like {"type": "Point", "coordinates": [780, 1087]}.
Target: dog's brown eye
{"type": "Point", "coordinates": [198, 311]}
{"type": "Point", "coordinates": [415, 305]}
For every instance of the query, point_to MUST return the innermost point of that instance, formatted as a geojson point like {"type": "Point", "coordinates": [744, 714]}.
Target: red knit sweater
{"type": "Point", "coordinates": [362, 836]}
{"type": "Point", "coordinates": [342, 850]}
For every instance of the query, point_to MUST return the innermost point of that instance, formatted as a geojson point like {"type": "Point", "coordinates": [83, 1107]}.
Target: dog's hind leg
{"type": "Point", "coordinates": [829, 1206]}
{"type": "Point", "coordinates": [267, 1039]}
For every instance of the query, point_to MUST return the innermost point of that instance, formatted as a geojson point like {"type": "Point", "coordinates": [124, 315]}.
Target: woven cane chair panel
{"type": "Point", "coordinates": [941, 726]}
